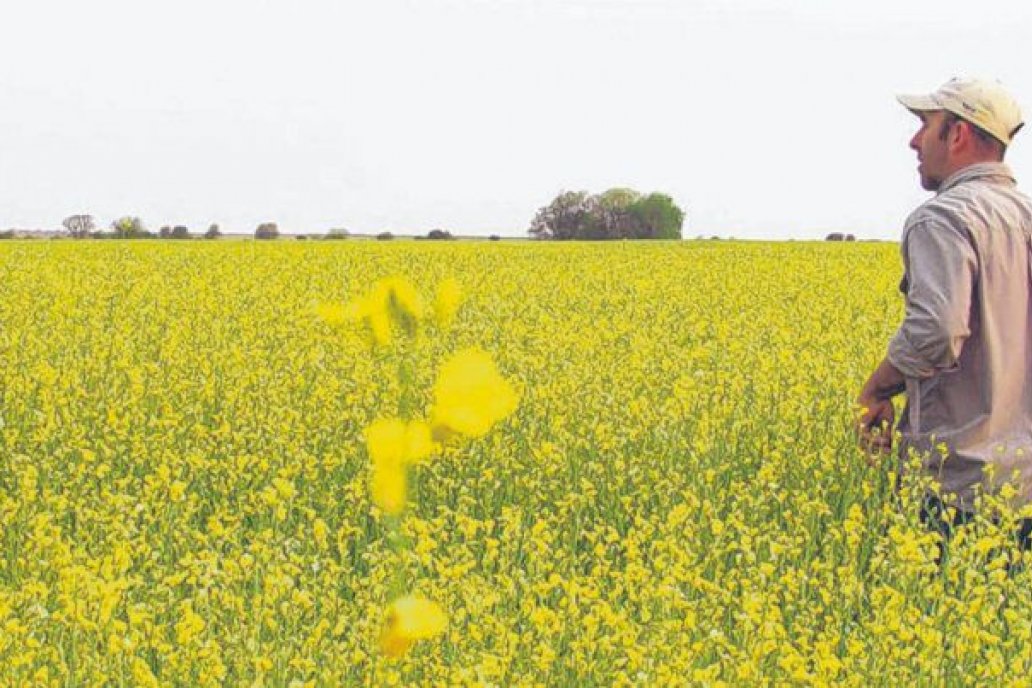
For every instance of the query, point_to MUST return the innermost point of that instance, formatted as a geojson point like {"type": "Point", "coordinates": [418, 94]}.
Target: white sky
{"type": "Point", "coordinates": [761, 119]}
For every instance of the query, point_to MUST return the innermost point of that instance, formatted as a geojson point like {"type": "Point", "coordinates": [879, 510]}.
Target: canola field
{"type": "Point", "coordinates": [489, 464]}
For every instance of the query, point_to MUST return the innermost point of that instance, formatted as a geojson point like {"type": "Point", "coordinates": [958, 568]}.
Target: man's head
{"type": "Point", "coordinates": [963, 123]}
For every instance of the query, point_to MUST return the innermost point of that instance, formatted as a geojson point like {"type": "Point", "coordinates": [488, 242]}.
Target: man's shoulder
{"type": "Point", "coordinates": [943, 209]}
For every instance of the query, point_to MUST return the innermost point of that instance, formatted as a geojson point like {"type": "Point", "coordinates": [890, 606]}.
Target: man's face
{"type": "Point", "coordinates": [932, 148]}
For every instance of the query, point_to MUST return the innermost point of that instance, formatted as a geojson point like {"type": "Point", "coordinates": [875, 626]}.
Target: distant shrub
{"type": "Point", "coordinates": [384, 236]}
{"type": "Point", "coordinates": [495, 237]}
{"type": "Point", "coordinates": [213, 232]}
{"type": "Point", "coordinates": [835, 236]}
{"type": "Point", "coordinates": [439, 235]}
{"type": "Point", "coordinates": [337, 234]}
{"type": "Point", "coordinates": [267, 231]}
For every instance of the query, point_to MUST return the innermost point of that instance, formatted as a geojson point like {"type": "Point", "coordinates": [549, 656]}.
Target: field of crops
{"type": "Point", "coordinates": [658, 483]}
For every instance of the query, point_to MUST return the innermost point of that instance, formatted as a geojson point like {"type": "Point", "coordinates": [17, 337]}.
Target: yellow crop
{"type": "Point", "coordinates": [649, 474]}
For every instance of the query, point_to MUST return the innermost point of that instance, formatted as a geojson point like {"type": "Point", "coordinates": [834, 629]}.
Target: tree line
{"type": "Point", "coordinates": [84, 226]}
{"type": "Point", "coordinates": [615, 214]}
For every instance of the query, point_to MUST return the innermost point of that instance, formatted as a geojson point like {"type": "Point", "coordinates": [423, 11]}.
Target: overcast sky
{"type": "Point", "coordinates": [761, 119]}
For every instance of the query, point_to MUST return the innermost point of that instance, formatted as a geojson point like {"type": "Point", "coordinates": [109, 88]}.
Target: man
{"type": "Point", "coordinates": [963, 353]}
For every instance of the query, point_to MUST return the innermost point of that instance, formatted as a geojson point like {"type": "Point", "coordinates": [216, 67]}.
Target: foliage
{"type": "Point", "coordinates": [266, 231]}
{"type": "Point", "coordinates": [439, 235]}
{"type": "Point", "coordinates": [384, 236]}
{"type": "Point", "coordinates": [616, 214]}
{"type": "Point", "coordinates": [213, 232]}
{"type": "Point", "coordinates": [337, 233]}
{"type": "Point", "coordinates": [129, 227]}
{"type": "Point", "coordinates": [79, 226]}
{"type": "Point", "coordinates": [185, 483]}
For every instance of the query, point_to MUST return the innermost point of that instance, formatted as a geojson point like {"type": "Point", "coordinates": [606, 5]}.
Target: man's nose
{"type": "Point", "coordinates": [915, 141]}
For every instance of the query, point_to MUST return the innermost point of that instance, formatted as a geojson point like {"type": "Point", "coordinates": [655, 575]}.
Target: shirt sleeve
{"type": "Point", "coordinates": [941, 270]}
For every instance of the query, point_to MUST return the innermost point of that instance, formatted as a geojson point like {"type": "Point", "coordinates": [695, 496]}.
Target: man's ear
{"type": "Point", "coordinates": [961, 134]}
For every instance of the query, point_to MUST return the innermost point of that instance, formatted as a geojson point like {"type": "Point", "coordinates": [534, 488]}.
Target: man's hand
{"type": "Point", "coordinates": [877, 420]}
{"type": "Point", "coordinates": [878, 417]}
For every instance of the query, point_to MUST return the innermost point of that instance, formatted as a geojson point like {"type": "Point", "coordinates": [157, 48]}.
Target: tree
{"type": "Point", "coordinates": [165, 232]}
{"type": "Point", "coordinates": [129, 227]}
{"type": "Point", "coordinates": [384, 236]}
{"type": "Point", "coordinates": [337, 233]}
{"type": "Point", "coordinates": [564, 218]}
{"type": "Point", "coordinates": [79, 226]}
{"type": "Point", "coordinates": [267, 230]}
{"type": "Point", "coordinates": [439, 235]}
{"type": "Point", "coordinates": [614, 217]}
{"type": "Point", "coordinates": [180, 232]}
{"type": "Point", "coordinates": [657, 217]}
{"type": "Point", "coordinates": [619, 213]}
{"type": "Point", "coordinates": [213, 232]}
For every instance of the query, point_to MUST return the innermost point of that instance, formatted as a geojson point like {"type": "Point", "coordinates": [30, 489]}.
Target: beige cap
{"type": "Point", "coordinates": [983, 103]}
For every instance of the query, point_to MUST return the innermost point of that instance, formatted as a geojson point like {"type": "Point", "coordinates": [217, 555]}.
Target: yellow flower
{"type": "Point", "coordinates": [470, 395]}
{"type": "Point", "coordinates": [142, 674]}
{"type": "Point", "coordinates": [189, 626]}
{"type": "Point", "coordinates": [333, 314]}
{"type": "Point", "coordinates": [393, 300]}
{"type": "Point", "coordinates": [446, 305]}
{"type": "Point", "coordinates": [409, 619]}
{"type": "Point", "coordinates": [319, 533]}
{"type": "Point", "coordinates": [393, 444]}
{"type": "Point", "coordinates": [403, 299]}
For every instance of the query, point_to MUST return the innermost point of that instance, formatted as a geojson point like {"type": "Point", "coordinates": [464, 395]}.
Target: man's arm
{"type": "Point", "coordinates": [875, 400]}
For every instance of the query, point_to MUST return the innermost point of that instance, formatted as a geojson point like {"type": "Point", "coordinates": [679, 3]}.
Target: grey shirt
{"type": "Point", "coordinates": [965, 344]}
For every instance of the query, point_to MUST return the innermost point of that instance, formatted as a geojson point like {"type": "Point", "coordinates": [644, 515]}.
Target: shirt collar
{"type": "Point", "coordinates": [996, 171]}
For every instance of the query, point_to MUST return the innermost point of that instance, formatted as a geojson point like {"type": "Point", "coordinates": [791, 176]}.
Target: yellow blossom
{"type": "Point", "coordinates": [447, 302]}
{"type": "Point", "coordinates": [392, 300]}
{"type": "Point", "coordinates": [333, 314]}
{"type": "Point", "coordinates": [189, 626]}
{"type": "Point", "coordinates": [470, 395]}
{"type": "Point", "coordinates": [393, 444]}
{"type": "Point", "coordinates": [409, 619]}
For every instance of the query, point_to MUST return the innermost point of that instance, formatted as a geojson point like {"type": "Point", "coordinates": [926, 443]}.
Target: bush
{"type": "Point", "coordinates": [616, 214]}
{"type": "Point", "coordinates": [213, 232]}
{"type": "Point", "coordinates": [129, 227]}
{"type": "Point", "coordinates": [267, 231]}
{"type": "Point", "coordinates": [495, 237]}
{"type": "Point", "coordinates": [439, 235]}
{"type": "Point", "coordinates": [337, 233]}
{"type": "Point", "coordinates": [79, 226]}
{"type": "Point", "coordinates": [384, 236]}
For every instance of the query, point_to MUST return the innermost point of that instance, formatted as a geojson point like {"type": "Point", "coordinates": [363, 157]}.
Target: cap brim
{"type": "Point", "coordinates": [918, 103]}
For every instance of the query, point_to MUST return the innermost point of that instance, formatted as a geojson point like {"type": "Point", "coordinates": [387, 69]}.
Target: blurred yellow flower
{"type": "Point", "coordinates": [392, 300]}
{"type": "Point", "coordinates": [470, 395]}
{"type": "Point", "coordinates": [447, 302]}
{"type": "Point", "coordinates": [409, 619]}
{"type": "Point", "coordinates": [393, 444]}
{"type": "Point", "coordinates": [333, 314]}
{"type": "Point", "coordinates": [403, 299]}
